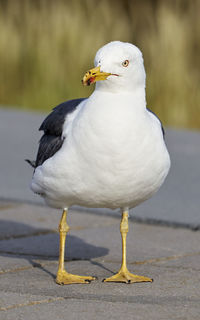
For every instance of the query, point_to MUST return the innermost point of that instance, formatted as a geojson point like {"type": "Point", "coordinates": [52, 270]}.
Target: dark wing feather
{"type": "Point", "coordinates": [52, 126]}
{"type": "Point", "coordinates": [53, 123]}
{"type": "Point", "coordinates": [49, 145]}
{"type": "Point", "coordinates": [162, 128]}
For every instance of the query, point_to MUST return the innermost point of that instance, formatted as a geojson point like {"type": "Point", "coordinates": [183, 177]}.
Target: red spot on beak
{"type": "Point", "coordinates": [90, 80]}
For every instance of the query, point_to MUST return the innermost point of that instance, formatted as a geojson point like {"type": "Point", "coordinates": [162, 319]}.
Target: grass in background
{"type": "Point", "coordinates": [46, 46]}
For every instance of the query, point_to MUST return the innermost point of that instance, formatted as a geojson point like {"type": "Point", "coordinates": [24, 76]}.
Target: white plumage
{"type": "Point", "coordinates": [113, 154]}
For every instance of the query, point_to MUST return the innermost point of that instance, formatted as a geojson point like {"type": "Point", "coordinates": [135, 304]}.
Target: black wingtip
{"type": "Point", "coordinates": [31, 162]}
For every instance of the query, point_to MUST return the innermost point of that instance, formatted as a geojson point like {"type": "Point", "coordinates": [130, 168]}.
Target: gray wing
{"type": "Point", "coordinates": [52, 126]}
{"type": "Point", "coordinates": [162, 128]}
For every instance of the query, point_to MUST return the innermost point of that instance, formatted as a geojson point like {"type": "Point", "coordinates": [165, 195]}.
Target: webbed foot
{"type": "Point", "coordinates": [127, 277]}
{"type": "Point", "coordinates": [63, 277]}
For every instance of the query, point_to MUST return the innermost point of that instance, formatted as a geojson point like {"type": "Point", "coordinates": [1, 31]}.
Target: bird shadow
{"type": "Point", "coordinates": [20, 240]}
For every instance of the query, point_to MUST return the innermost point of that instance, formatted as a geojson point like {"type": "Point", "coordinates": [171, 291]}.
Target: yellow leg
{"type": "Point", "coordinates": [124, 275]}
{"type": "Point", "coordinates": [63, 277]}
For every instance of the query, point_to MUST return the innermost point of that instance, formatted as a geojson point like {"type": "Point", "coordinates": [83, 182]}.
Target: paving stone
{"type": "Point", "coordinates": [173, 293]}
{"type": "Point", "coordinates": [143, 243]}
{"type": "Point", "coordinates": [187, 262]}
{"type": "Point", "coordinates": [19, 219]}
{"type": "Point", "coordinates": [73, 309]}
{"type": "Point", "coordinates": [167, 282]}
{"type": "Point", "coordinates": [19, 141]}
{"type": "Point", "coordinates": [85, 240]}
{"type": "Point", "coordinates": [48, 246]}
{"type": "Point", "coordinates": [14, 263]}
{"type": "Point", "coordinates": [9, 300]}
{"type": "Point", "coordinates": [29, 266]}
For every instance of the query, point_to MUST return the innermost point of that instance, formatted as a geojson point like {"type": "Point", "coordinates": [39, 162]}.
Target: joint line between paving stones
{"type": "Point", "coordinates": [137, 219]}
{"type": "Point", "coordinates": [29, 255]}
{"type": "Point", "coordinates": [84, 297]}
{"type": "Point", "coordinates": [31, 303]}
{"type": "Point", "coordinates": [33, 234]}
{"type": "Point", "coordinates": [174, 257]}
{"type": "Point", "coordinates": [149, 261]}
{"type": "Point", "coordinates": [37, 265]}
{"type": "Point", "coordinates": [147, 221]}
{"type": "Point", "coordinates": [46, 232]}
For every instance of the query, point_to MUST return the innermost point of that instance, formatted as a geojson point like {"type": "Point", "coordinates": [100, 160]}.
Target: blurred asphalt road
{"type": "Point", "coordinates": [178, 201]}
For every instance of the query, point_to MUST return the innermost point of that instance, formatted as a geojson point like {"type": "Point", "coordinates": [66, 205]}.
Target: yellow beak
{"type": "Point", "coordinates": [94, 75]}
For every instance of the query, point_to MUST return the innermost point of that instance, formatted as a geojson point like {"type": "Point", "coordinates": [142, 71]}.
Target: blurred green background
{"type": "Point", "coordinates": [46, 46]}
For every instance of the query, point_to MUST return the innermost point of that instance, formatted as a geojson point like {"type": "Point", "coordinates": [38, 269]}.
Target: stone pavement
{"type": "Point", "coordinates": [29, 245]}
{"type": "Point", "coordinates": [29, 241]}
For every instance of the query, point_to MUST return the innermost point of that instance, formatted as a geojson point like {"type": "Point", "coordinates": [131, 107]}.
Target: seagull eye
{"type": "Point", "coordinates": [125, 63]}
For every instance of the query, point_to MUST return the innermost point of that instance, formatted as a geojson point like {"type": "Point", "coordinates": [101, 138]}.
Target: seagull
{"type": "Point", "coordinates": [104, 151]}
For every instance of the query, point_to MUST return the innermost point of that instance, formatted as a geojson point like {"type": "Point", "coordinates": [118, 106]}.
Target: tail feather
{"type": "Point", "coordinates": [31, 162]}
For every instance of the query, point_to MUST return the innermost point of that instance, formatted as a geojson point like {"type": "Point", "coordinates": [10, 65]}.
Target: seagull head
{"type": "Point", "coordinates": [118, 67]}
